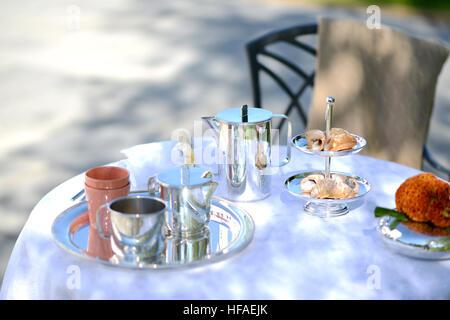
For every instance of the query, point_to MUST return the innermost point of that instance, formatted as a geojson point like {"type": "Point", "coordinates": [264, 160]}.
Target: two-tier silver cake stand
{"type": "Point", "coordinates": [326, 208]}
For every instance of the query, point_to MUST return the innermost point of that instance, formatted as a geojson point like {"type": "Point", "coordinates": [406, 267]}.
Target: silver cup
{"type": "Point", "coordinates": [137, 228]}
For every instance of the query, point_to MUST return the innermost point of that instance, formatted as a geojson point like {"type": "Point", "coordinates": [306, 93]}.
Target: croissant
{"type": "Point", "coordinates": [352, 183]}
{"type": "Point", "coordinates": [340, 140]}
{"type": "Point", "coordinates": [332, 189]}
{"type": "Point", "coordinates": [337, 187]}
{"type": "Point", "coordinates": [316, 140]}
{"type": "Point", "coordinates": [309, 182]}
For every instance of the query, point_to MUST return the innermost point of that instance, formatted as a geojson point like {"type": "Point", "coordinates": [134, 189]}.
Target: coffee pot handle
{"type": "Point", "coordinates": [103, 208]}
{"type": "Point", "coordinates": [288, 144]}
{"type": "Point", "coordinates": [153, 186]}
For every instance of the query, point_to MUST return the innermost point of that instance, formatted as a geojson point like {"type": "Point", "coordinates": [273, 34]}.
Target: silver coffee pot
{"type": "Point", "coordinates": [244, 139]}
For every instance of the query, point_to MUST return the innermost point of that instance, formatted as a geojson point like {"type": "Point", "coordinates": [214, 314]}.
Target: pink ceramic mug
{"type": "Point", "coordinates": [103, 184]}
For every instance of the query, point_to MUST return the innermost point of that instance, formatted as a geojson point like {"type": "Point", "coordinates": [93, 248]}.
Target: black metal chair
{"type": "Point", "coordinates": [258, 47]}
{"type": "Point", "coordinates": [291, 35]}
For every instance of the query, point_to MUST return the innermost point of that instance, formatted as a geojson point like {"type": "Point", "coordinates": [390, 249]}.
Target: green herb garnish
{"type": "Point", "coordinates": [394, 224]}
{"type": "Point", "coordinates": [381, 212]}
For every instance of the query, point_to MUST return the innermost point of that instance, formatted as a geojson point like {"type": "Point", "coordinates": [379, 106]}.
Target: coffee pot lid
{"type": "Point", "coordinates": [235, 115]}
{"type": "Point", "coordinates": [184, 176]}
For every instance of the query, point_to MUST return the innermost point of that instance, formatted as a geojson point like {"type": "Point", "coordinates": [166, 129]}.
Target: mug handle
{"type": "Point", "coordinates": [98, 220]}
{"type": "Point", "coordinates": [153, 191]}
{"type": "Point", "coordinates": [288, 144]}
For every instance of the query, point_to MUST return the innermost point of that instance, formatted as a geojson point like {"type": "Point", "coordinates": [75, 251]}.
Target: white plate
{"type": "Point", "coordinates": [412, 242]}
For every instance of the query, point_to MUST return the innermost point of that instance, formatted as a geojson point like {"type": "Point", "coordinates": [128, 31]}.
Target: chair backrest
{"type": "Point", "coordinates": [384, 83]}
{"type": "Point", "coordinates": [408, 145]}
{"type": "Point", "coordinates": [259, 48]}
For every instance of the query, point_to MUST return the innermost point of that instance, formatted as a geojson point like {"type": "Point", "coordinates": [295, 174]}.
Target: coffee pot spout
{"type": "Point", "coordinates": [208, 191]}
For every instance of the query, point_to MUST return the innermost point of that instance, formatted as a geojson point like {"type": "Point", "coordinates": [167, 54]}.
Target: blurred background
{"type": "Point", "coordinates": [82, 80]}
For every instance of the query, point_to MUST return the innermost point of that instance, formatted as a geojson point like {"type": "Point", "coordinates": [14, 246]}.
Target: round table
{"type": "Point", "coordinates": [292, 255]}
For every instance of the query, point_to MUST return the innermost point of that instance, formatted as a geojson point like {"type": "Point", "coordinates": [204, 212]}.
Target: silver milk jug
{"type": "Point", "coordinates": [244, 152]}
{"type": "Point", "coordinates": [188, 192]}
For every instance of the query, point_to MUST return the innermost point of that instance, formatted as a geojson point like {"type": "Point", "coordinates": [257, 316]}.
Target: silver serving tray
{"type": "Point", "coordinates": [412, 242]}
{"type": "Point", "coordinates": [325, 207]}
{"type": "Point", "coordinates": [300, 142]}
{"type": "Point", "coordinates": [229, 232]}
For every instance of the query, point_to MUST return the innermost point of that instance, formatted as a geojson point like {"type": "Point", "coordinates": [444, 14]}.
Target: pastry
{"type": "Point", "coordinates": [309, 182]}
{"type": "Point", "coordinates": [425, 198]}
{"type": "Point", "coordinates": [337, 187]}
{"type": "Point", "coordinates": [316, 140]}
{"type": "Point", "coordinates": [338, 140]}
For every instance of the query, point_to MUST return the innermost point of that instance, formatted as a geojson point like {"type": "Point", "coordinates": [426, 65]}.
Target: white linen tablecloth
{"type": "Point", "coordinates": [292, 256]}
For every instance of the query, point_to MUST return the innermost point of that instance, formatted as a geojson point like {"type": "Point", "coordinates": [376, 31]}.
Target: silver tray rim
{"type": "Point", "coordinates": [361, 143]}
{"type": "Point", "coordinates": [410, 250]}
{"type": "Point", "coordinates": [366, 184]}
{"type": "Point", "coordinates": [236, 245]}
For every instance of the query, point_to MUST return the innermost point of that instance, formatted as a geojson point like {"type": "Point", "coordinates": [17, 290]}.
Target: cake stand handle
{"type": "Point", "coordinates": [328, 121]}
